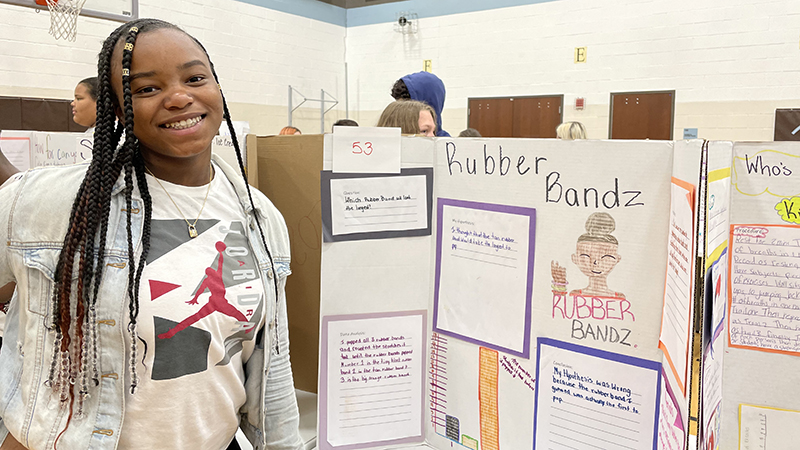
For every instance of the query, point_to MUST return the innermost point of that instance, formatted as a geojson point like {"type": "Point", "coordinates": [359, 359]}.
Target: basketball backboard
{"type": "Point", "coordinates": [118, 10]}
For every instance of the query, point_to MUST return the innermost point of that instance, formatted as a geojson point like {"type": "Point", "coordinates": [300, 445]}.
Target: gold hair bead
{"type": "Point", "coordinates": [129, 47]}
{"type": "Point", "coordinates": [134, 30]}
{"type": "Point", "coordinates": [126, 72]}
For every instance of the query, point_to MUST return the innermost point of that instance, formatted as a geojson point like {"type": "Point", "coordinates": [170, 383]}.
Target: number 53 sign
{"type": "Point", "coordinates": [366, 150]}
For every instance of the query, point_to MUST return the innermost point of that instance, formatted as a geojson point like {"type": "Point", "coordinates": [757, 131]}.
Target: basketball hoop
{"type": "Point", "coordinates": [64, 17]}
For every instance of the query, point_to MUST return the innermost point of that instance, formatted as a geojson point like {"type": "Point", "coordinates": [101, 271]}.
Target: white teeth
{"type": "Point", "coordinates": [184, 123]}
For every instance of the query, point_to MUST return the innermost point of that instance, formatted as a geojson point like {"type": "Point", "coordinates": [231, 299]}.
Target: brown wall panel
{"type": "Point", "coordinates": [536, 117]}
{"type": "Point", "coordinates": [642, 115]}
{"type": "Point", "coordinates": [492, 117]}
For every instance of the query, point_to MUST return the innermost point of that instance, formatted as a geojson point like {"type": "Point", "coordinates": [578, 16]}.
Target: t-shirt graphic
{"type": "Point", "coordinates": [202, 304]}
{"type": "Point", "coordinates": [190, 351]}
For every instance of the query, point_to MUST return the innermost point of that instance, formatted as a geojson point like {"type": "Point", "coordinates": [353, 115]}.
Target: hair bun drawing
{"type": "Point", "coordinates": [599, 227]}
{"type": "Point", "coordinates": [600, 223]}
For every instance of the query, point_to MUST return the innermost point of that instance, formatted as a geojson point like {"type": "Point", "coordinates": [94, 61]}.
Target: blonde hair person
{"type": "Point", "coordinates": [411, 116]}
{"type": "Point", "coordinates": [570, 131]}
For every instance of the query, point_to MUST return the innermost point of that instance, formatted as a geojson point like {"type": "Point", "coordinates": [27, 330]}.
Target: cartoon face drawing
{"type": "Point", "coordinates": [596, 259]}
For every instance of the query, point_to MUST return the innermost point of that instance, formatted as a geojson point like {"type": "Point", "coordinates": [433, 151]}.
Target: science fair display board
{"type": "Point", "coordinates": [507, 293]}
{"type": "Point", "coordinates": [751, 397]}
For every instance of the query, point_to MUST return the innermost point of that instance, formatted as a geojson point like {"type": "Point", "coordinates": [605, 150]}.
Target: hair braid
{"type": "Point", "coordinates": [240, 160]}
{"type": "Point", "coordinates": [75, 349]}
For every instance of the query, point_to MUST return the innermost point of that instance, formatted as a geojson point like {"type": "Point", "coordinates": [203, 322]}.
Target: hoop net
{"type": "Point", "coordinates": [64, 18]}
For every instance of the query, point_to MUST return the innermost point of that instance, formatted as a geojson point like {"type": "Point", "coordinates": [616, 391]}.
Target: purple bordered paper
{"type": "Point", "coordinates": [624, 359]}
{"type": "Point", "coordinates": [322, 422]}
{"type": "Point", "coordinates": [673, 399]}
{"type": "Point", "coordinates": [528, 212]}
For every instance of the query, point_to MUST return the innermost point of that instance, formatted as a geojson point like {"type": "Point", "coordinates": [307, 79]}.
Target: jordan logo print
{"type": "Point", "coordinates": [216, 302]}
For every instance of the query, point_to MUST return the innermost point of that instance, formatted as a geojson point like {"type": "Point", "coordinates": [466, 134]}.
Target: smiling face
{"type": "Point", "coordinates": [427, 127]}
{"type": "Point", "coordinates": [596, 259]}
{"type": "Point", "coordinates": [84, 108]}
{"type": "Point", "coordinates": [177, 104]}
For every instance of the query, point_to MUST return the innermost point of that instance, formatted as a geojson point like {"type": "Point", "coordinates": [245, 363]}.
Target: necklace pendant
{"type": "Point", "coordinates": [192, 231]}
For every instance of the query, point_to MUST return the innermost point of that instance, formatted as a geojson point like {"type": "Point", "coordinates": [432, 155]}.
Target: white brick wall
{"type": "Point", "coordinates": [257, 52]}
{"type": "Point", "coordinates": [731, 62]}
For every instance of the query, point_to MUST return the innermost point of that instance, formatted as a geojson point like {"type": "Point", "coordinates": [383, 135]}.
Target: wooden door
{"type": "Point", "coordinates": [537, 117]}
{"type": "Point", "coordinates": [642, 115]}
{"type": "Point", "coordinates": [492, 117]}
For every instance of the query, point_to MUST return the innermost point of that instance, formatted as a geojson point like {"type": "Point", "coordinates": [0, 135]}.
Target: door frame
{"type": "Point", "coordinates": [611, 108]}
{"type": "Point", "coordinates": [512, 97]}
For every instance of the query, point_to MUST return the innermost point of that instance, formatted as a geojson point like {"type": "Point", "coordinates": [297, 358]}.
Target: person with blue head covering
{"type": "Point", "coordinates": [424, 87]}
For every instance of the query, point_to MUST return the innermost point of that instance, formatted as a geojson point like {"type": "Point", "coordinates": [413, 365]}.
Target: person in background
{"type": "Point", "coordinates": [345, 123]}
{"type": "Point", "coordinates": [469, 132]}
{"type": "Point", "coordinates": [289, 131]}
{"type": "Point", "coordinates": [84, 105]}
{"type": "Point", "coordinates": [569, 131]}
{"type": "Point", "coordinates": [424, 87]}
{"type": "Point", "coordinates": [412, 117]}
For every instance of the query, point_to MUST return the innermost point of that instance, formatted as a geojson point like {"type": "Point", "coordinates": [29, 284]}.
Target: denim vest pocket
{"type": "Point", "coordinates": [41, 275]}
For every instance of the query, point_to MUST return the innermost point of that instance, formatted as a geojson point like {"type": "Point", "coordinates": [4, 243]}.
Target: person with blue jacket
{"type": "Point", "coordinates": [424, 87]}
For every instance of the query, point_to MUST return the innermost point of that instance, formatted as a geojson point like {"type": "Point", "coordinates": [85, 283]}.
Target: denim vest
{"type": "Point", "coordinates": [34, 213]}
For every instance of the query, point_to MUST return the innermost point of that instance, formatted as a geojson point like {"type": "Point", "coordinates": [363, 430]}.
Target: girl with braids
{"type": "Point", "coordinates": [151, 312]}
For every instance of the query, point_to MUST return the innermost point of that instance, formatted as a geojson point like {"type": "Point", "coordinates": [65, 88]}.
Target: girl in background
{"type": "Point", "coordinates": [84, 105]}
{"type": "Point", "coordinates": [411, 116]}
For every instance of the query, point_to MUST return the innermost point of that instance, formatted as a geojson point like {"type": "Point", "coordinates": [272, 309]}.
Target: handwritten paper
{"type": "Point", "coordinates": [588, 398]}
{"type": "Point", "coordinates": [671, 432]}
{"type": "Point", "coordinates": [762, 428]}
{"type": "Point", "coordinates": [517, 371]}
{"type": "Point", "coordinates": [373, 379]}
{"type": "Point", "coordinates": [678, 292]}
{"type": "Point", "coordinates": [17, 148]}
{"type": "Point", "coordinates": [376, 206]}
{"type": "Point", "coordinates": [484, 274]}
{"type": "Point", "coordinates": [222, 145]}
{"type": "Point", "coordinates": [366, 150]}
{"type": "Point", "coordinates": [718, 201]}
{"type": "Point", "coordinates": [58, 149]}
{"type": "Point", "coordinates": [764, 311]}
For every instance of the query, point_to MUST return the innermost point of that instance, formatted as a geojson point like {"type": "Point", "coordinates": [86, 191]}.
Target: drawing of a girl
{"type": "Point", "coordinates": [596, 256]}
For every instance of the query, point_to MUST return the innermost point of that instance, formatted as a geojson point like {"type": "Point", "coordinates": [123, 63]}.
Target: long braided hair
{"type": "Point", "coordinates": [75, 354]}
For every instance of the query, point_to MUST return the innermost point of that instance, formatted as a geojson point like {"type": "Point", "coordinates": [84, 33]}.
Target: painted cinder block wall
{"type": "Point", "coordinates": [258, 52]}
{"type": "Point", "coordinates": [731, 62]}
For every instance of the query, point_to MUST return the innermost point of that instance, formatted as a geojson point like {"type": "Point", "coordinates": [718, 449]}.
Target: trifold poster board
{"type": "Point", "coordinates": [549, 306]}
{"type": "Point", "coordinates": [751, 390]}
{"type": "Point", "coordinates": [288, 172]}
{"type": "Point", "coordinates": [27, 149]}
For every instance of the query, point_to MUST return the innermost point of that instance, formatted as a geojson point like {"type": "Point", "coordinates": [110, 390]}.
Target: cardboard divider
{"type": "Point", "coordinates": [288, 172]}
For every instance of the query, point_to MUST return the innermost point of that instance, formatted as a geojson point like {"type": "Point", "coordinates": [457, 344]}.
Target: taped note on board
{"type": "Point", "coordinates": [762, 428]}
{"type": "Point", "coordinates": [376, 206]}
{"type": "Point", "coordinates": [764, 312]}
{"type": "Point", "coordinates": [676, 320]}
{"type": "Point", "coordinates": [366, 150]}
{"type": "Point", "coordinates": [372, 377]}
{"type": "Point", "coordinates": [484, 274]}
{"type": "Point", "coordinates": [589, 398]}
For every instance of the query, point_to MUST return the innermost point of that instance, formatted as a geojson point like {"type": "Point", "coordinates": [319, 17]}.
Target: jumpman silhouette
{"type": "Point", "coordinates": [216, 302]}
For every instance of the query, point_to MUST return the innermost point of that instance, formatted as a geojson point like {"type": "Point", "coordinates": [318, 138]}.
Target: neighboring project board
{"type": "Point", "coordinates": [751, 397]}
{"type": "Point", "coordinates": [535, 244]}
